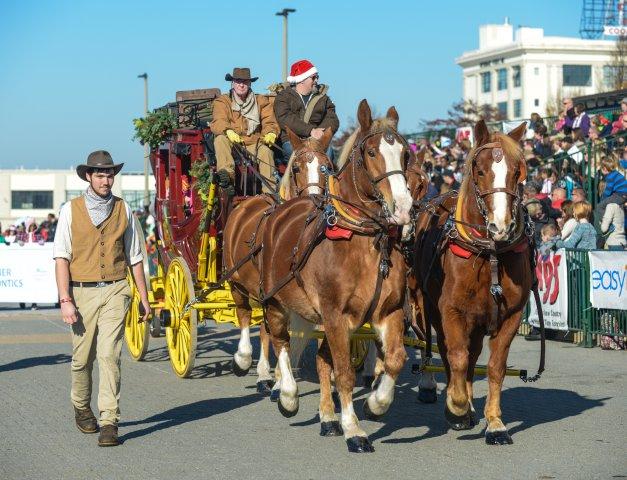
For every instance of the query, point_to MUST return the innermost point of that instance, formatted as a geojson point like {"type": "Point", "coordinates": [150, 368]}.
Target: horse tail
{"type": "Point", "coordinates": [300, 335]}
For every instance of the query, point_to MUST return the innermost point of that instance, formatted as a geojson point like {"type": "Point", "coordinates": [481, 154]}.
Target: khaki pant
{"type": "Point", "coordinates": [224, 157]}
{"type": "Point", "coordinates": [98, 334]}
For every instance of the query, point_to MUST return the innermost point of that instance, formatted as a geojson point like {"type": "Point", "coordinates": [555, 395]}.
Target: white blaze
{"type": "Point", "coordinates": [313, 176]}
{"type": "Point", "coordinates": [400, 192]}
{"type": "Point", "coordinates": [500, 199]}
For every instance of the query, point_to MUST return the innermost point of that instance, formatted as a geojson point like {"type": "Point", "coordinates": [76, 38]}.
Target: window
{"type": "Point", "coordinates": [536, 71]}
{"type": "Point", "coordinates": [577, 76]}
{"type": "Point", "coordinates": [502, 108]}
{"type": "Point", "coordinates": [536, 102]}
{"type": "Point", "coordinates": [610, 74]}
{"type": "Point", "coordinates": [501, 83]}
{"type": "Point", "coordinates": [516, 76]}
{"type": "Point", "coordinates": [72, 194]}
{"type": "Point", "coordinates": [135, 198]}
{"type": "Point", "coordinates": [517, 108]}
{"type": "Point", "coordinates": [486, 82]}
{"type": "Point", "coordinates": [24, 200]}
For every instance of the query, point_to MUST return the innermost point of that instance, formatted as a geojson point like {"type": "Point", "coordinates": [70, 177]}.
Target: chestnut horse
{"type": "Point", "coordinates": [474, 270]}
{"type": "Point", "coordinates": [305, 173]}
{"type": "Point", "coordinates": [342, 283]}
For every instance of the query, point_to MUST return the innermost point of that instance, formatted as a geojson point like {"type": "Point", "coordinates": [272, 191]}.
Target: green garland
{"type": "Point", "coordinates": [203, 174]}
{"type": "Point", "coordinates": [155, 128]}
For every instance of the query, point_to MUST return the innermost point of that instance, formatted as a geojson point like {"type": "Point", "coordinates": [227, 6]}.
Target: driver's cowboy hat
{"type": "Point", "coordinates": [99, 159]}
{"type": "Point", "coordinates": [240, 74]}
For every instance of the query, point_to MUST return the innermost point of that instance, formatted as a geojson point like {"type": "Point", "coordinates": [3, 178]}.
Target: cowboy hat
{"type": "Point", "coordinates": [242, 73]}
{"type": "Point", "coordinates": [100, 160]}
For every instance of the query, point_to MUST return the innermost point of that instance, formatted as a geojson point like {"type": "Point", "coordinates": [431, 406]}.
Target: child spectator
{"type": "Point", "coordinates": [582, 120]}
{"type": "Point", "coordinates": [618, 125]}
{"type": "Point", "coordinates": [558, 196]}
{"type": "Point", "coordinates": [548, 235]}
{"type": "Point", "coordinates": [584, 236]}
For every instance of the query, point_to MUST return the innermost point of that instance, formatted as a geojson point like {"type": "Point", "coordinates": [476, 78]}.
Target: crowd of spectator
{"type": "Point", "coordinates": [26, 230]}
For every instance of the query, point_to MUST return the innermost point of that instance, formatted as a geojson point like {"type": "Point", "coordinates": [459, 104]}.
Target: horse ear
{"type": "Point", "coordinates": [482, 135]}
{"type": "Point", "coordinates": [519, 132]}
{"type": "Point", "coordinates": [420, 156]}
{"type": "Point", "coordinates": [392, 116]}
{"type": "Point", "coordinates": [325, 140]}
{"type": "Point", "coordinates": [294, 139]}
{"type": "Point", "coordinates": [522, 177]}
{"type": "Point", "coordinates": [364, 116]}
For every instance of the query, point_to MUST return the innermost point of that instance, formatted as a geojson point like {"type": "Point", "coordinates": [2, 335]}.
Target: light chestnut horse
{"type": "Point", "coordinates": [474, 272]}
{"type": "Point", "coordinates": [243, 232]}
{"type": "Point", "coordinates": [342, 283]}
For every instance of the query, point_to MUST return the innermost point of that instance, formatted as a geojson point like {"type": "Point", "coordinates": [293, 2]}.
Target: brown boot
{"type": "Point", "coordinates": [85, 420]}
{"type": "Point", "coordinates": [108, 436]}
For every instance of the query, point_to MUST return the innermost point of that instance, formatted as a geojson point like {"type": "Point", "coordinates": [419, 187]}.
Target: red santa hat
{"type": "Point", "coordinates": [301, 70]}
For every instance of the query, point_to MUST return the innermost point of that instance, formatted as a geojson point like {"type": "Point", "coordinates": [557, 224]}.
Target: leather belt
{"type": "Point", "coordinates": [95, 284]}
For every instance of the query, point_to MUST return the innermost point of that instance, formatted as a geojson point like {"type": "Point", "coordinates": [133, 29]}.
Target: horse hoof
{"type": "Point", "coordinates": [368, 413]}
{"type": "Point", "coordinates": [427, 395]}
{"type": "Point", "coordinates": [274, 395]}
{"type": "Point", "coordinates": [359, 445]}
{"type": "Point", "coordinates": [498, 438]}
{"type": "Point", "coordinates": [336, 402]}
{"type": "Point", "coordinates": [459, 422]}
{"type": "Point", "coordinates": [331, 429]}
{"type": "Point", "coordinates": [237, 370]}
{"type": "Point", "coordinates": [286, 413]}
{"type": "Point", "coordinates": [368, 380]}
{"type": "Point", "coordinates": [264, 387]}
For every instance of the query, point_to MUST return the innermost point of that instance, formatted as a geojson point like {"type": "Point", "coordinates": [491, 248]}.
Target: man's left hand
{"type": "Point", "coordinates": [269, 138]}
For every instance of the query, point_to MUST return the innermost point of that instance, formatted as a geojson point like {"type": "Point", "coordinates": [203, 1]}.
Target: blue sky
{"type": "Point", "coordinates": [68, 69]}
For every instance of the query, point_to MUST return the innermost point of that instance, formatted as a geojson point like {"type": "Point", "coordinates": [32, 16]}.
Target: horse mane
{"type": "Point", "coordinates": [378, 125]}
{"type": "Point", "coordinates": [511, 149]}
{"type": "Point", "coordinates": [286, 180]}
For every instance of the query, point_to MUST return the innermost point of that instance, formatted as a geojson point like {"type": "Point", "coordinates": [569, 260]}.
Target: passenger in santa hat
{"type": "Point", "coordinates": [304, 106]}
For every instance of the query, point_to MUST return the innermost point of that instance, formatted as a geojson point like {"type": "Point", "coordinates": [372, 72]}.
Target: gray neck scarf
{"type": "Point", "coordinates": [249, 110]}
{"type": "Point", "coordinates": [98, 208]}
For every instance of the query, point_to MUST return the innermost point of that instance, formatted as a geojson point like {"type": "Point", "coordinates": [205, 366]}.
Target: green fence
{"type": "Point", "coordinates": [582, 317]}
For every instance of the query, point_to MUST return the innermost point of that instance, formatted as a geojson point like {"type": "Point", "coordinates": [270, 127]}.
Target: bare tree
{"type": "Point", "coordinates": [619, 64]}
{"type": "Point", "coordinates": [464, 113]}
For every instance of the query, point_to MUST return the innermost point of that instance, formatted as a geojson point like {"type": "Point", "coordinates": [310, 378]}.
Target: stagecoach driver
{"type": "Point", "coordinates": [304, 106]}
{"type": "Point", "coordinates": [242, 117]}
{"type": "Point", "coordinates": [96, 240]}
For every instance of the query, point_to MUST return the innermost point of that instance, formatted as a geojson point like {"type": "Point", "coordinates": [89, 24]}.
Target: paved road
{"type": "Point", "coordinates": [570, 425]}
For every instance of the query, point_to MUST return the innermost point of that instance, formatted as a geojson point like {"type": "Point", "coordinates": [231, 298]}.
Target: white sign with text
{"type": "Point", "coordinates": [552, 277]}
{"type": "Point", "coordinates": [27, 274]}
{"type": "Point", "coordinates": [608, 279]}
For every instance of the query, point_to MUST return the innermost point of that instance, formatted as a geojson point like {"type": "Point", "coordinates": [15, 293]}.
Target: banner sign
{"type": "Point", "coordinates": [614, 31]}
{"type": "Point", "coordinates": [608, 279]}
{"type": "Point", "coordinates": [27, 274]}
{"type": "Point", "coordinates": [552, 277]}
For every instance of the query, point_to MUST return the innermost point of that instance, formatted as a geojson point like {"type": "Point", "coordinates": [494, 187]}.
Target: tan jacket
{"type": "Point", "coordinates": [224, 118]}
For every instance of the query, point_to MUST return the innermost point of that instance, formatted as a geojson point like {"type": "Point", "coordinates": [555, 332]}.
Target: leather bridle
{"type": "Point", "coordinates": [322, 170]}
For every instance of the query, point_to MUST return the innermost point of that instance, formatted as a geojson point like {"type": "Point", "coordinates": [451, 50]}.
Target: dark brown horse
{"type": "Point", "coordinates": [474, 270]}
{"type": "Point", "coordinates": [309, 278]}
{"type": "Point", "coordinates": [305, 174]}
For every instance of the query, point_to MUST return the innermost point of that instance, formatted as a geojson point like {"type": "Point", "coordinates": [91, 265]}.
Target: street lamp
{"type": "Point", "coordinates": [284, 13]}
{"type": "Point", "coordinates": [146, 146]}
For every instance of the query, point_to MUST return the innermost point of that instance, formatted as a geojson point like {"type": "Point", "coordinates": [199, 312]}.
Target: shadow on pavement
{"type": "Point", "coordinates": [529, 406]}
{"type": "Point", "coordinates": [188, 413]}
{"type": "Point", "coordinates": [36, 362]}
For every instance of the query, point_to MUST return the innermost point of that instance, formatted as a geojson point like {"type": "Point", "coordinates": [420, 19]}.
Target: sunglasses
{"type": "Point", "coordinates": [315, 77]}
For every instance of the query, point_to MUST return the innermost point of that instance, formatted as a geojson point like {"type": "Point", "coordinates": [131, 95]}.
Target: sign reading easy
{"type": "Point", "coordinates": [608, 275]}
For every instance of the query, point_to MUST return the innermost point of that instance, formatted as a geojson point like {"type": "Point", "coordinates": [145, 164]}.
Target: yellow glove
{"type": "Point", "coordinates": [269, 138]}
{"type": "Point", "coordinates": [233, 137]}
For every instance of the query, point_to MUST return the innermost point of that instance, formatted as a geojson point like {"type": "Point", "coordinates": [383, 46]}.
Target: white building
{"type": "Point", "coordinates": [36, 193]}
{"type": "Point", "coordinates": [522, 73]}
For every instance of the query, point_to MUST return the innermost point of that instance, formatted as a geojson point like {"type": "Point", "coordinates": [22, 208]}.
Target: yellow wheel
{"type": "Point", "coordinates": [136, 334]}
{"type": "Point", "coordinates": [180, 331]}
{"type": "Point", "coordinates": [359, 350]}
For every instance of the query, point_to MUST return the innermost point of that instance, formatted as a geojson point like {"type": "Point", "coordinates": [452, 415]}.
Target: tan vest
{"type": "Point", "coordinates": [98, 252]}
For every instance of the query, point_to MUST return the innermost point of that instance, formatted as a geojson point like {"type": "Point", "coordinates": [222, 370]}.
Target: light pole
{"type": "Point", "coordinates": [146, 146]}
{"type": "Point", "coordinates": [284, 13]}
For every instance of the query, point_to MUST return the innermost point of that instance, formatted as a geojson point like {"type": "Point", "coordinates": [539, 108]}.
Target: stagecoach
{"type": "Point", "coordinates": [190, 212]}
